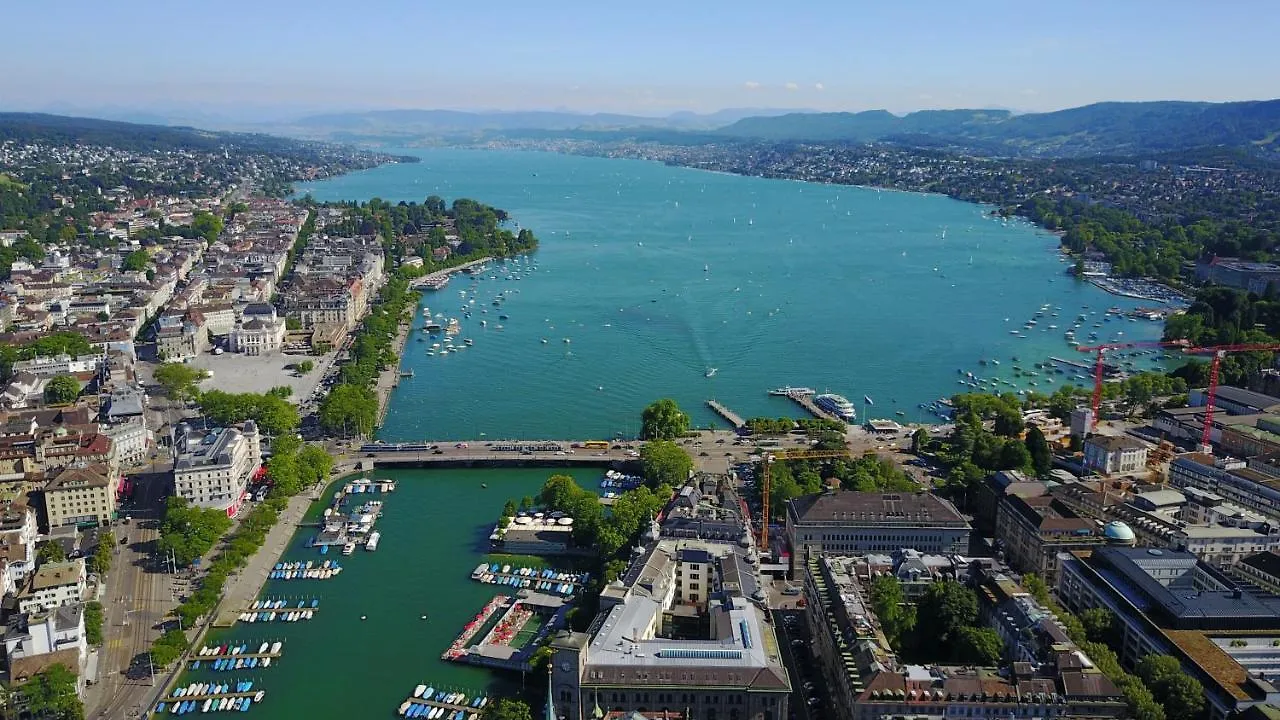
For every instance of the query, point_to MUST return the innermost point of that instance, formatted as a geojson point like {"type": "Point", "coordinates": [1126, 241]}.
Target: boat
{"type": "Point", "coordinates": [417, 692]}
{"type": "Point", "coordinates": [468, 342]}
{"type": "Point", "coordinates": [710, 372]}
{"type": "Point", "coordinates": [788, 391]}
{"type": "Point", "coordinates": [348, 548]}
{"type": "Point", "coordinates": [837, 405]}
{"type": "Point", "coordinates": [372, 543]}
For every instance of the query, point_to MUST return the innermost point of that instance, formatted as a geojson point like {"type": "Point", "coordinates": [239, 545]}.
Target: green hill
{"type": "Point", "coordinates": [1099, 129]}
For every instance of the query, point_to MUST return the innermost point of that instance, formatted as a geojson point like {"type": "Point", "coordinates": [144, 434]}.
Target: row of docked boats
{"type": "Point", "coordinates": [427, 702]}
{"type": "Point", "coordinates": [212, 697]}
{"type": "Point", "coordinates": [233, 663]}
{"type": "Point", "coordinates": [308, 570]}
{"type": "Point", "coordinates": [369, 486]}
{"type": "Point", "coordinates": [545, 580]}
{"type": "Point", "coordinates": [621, 481]}
{"type": "Point", "coordinates": [220, 650]}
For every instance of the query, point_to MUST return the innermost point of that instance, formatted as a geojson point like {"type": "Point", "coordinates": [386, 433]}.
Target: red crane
{"type": "Point", "coordinates": [1098, 365]}
{"type": "Point", "coordinates": [1211, 394]}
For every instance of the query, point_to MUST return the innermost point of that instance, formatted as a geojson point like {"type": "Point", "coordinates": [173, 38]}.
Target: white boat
{"type": "Point", "coordinates": [710, 372]}
{"type": "Point", "coordinates": [837, 405]}
{"type": "Point", "coordinates": [417, 692]}
{"type": "Point", "coordinates": [372, 543]}
{"type": "Point", "coordinates": [348, 548]}
{"type": "Point", "coordinates": [788, 391]}
{"type": "Point", "coordinates": [275, 647]}
{"type": "Point", "coordinates": [262, 649]}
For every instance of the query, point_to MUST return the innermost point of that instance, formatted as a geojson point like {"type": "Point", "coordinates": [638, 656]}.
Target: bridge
{"type": "Point", "coordinates": [489, 453]}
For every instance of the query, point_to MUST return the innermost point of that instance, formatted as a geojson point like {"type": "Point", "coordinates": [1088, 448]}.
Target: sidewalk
{"type": "Point", "coordinates": [244, 585]}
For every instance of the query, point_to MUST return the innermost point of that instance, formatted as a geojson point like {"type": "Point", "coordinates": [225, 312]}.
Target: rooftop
{"type": "Point", "coordinates": [863, 508]}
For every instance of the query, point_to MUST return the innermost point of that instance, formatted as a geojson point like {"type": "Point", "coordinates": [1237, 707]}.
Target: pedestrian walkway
{"type": "Point", "coordinates": [244, 586]}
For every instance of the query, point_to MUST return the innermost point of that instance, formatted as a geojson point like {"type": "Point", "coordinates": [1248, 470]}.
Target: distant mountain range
{"type": "Point", "coordinates": [458, 121]}
{"type": "Point", "coordinates": [1112, 128]}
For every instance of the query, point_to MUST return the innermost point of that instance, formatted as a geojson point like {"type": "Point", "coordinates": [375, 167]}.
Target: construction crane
{"type": "Point", "coordinates": [1211, 394]}
{"type": "Point", "coordinates": [1096, 402]}
{"type": "Point", "coordinates": [765, 486]}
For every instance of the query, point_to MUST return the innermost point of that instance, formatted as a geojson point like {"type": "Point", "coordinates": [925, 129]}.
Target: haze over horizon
{"type": "Point", "coordinates": [258, 61]}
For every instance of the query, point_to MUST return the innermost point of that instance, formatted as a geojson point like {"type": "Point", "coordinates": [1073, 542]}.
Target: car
{"type": "Point", "coordinates": [435, 447]}
{"type": "Point", "coordinates": [437, 452]}
{"type": "Point", "coordinates": [560, 452]}
{"type": "Point", "coordinates": [704, 454]}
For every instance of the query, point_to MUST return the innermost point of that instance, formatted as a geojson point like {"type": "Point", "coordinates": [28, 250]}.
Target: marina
{"type": "Point", "coordinates": [306, 570]}
{"type": "Point", "coordinates": [510, 630]}
{"type": "Point", "coordinates": [427, 702]}
{"type": "Point", "coordinates": [543, 580]}
{"type": "Point", "coordinates": [211, 697]}
{"type": "Point", "coordinates": [270, 611]}
{"type": "Point", "coordinates": [237, 657]}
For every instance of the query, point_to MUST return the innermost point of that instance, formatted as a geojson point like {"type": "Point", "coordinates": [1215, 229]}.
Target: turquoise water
{"type": "Point", "coordinates": [656, 274]}
{"type": "Point", "coordinates": [435, 530]}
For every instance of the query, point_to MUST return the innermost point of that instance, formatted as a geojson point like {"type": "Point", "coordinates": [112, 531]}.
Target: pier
{"type": "Point", "coordinates": [227, 618]}
{"type": "Point", "coordinates": [440, 278]}
{"type": "Point", "coordinates": [733, 418]}
{"type": "Point", "coordinates": [809, 405]}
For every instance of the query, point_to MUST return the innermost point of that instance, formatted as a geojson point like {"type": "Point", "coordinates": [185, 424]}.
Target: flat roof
{"type": "Point", "coordinates": [864, 508]}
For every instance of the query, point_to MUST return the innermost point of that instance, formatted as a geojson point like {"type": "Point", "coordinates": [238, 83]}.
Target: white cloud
{"type": "Point", "coordinates": [751, 85]}
{"type": "Point", "coordinates": [819, 87]}
{"type": "Point", "coordinates": [792, 86]}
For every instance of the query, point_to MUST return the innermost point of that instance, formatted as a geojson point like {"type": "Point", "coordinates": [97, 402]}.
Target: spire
{"type": "Point", "coordinates": [550, 711]}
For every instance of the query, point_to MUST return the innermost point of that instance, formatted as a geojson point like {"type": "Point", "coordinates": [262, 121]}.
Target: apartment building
{"type": "Point", "coordinates": [213, 467]}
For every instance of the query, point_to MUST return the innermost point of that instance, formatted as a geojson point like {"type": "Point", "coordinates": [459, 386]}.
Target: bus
{"type": "Point", "coordinates": [596, 445]}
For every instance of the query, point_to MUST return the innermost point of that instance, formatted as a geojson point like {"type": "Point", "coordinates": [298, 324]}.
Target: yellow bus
{"type": "Point", "coordinates": [596, 445]}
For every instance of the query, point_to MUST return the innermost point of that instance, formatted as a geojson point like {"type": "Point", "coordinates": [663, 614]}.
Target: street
{"type": "Point", "coordinates": [136, 598]}
{"type": "Point", "coordinates": [793, 641]}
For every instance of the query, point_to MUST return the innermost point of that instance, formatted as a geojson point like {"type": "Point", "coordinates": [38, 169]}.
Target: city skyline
{"type": "Point", "coordinates": [277, 61]}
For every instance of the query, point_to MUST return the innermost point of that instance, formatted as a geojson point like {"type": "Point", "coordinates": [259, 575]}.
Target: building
{"type": "Point", "coordinates": [50, 367]}
{"type": "Point", "coordinates": [680, 632]}
{"type": "Point", "coordinates": [259, 332]}
{"type": "Point", "coordinates": [536, 534]}
{"type": "Point", "coordinates": [1032, 531]}
{"type": "Point", "coordinates": [1235, 401]}
{"type": "Point", "coordinates": [131, 442]}
{"type": "Point", "coordinates": [857, 523]}
{"type": "Point", "coordinates": [1254, 277]}
{"type": "Point", "coordinates": [81, 495]}
{"type": "Point", "coordinates": [38, 640]}
{"type": "Point", "coordinates": [1253, 486]}
{"type": "Point", "coordinates": [1261, 569]}
{"type": "Point", "coordinates": [1114, 454]}
{"type": "Point", "coordinates": [1225, 545]}
{"type": "Point", "coordinates": [866, 681]}
{"type": "Point", "coordinates": [214, 467]}
{"type": "Point", "coordinates": [708, 509]}
{"type": "Point", "coordinates": [53, 585]}
{"type": "Point", "coordinates": [1171, 602]}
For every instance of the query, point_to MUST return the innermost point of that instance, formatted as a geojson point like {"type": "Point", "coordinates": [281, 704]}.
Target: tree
{"type": "Point", "coordinates": [304, 367]}
{"type": "Point", "coordinates": [189, 531]}
{"type": "Point", "coordinates": [978, 646]}
{"type": "Point", "coordinates": [100, 561]}
{"type": "Point", "coordinates": [179, 381]}
{"type": "Point", "coordinates": [349, 409]}
{"type": "Point", "coordinates": [51, 693]}
{"type": "Point", "coordinates": [897, 618]}
{"type": "Point", "coordinates": [943, 610]}
{"type": "Point", "coordinates": [314, 463]}
{"type": "Point", "coordinates": [1181, 694]}
{"type": "Point", "coordinates": [1098, 624]}
{"type": "Point", "coordinates": [168, 647]}
{"type": "Point", "coordinates": [136, 261]}
{"type": "Point", "coordinates": [61, 390]}
{"type": "Point", "coordinates": [665, 463]}
{"type": "Point", "coordinates": [1038, 449]}
{"type": "Point", "coordinates": [292, 324]}
{"type": "Point", "coordinates": [93, 622]}
{"type": "Point", "coordinates": [663, 420]}
{"type": "Point", "coordinates": [919, 439]}
{"type": "Point", "coordinates": [507, 709]}
{"type": "Point", "coordinates": [50, 551]}
{"type": "Point", "coordinates": [207, 225]}
{"type": "Point", "coordinates": [1035, 585]}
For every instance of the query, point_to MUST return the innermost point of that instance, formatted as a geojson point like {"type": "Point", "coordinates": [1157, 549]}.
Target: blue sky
{"type": "Point", "coordinates": [648, 57]}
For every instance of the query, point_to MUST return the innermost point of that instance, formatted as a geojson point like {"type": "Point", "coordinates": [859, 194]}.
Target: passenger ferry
{"type": "Point", "coordinates": [789, 391]}
{"type": "Point", "coordinates": [838, 405]}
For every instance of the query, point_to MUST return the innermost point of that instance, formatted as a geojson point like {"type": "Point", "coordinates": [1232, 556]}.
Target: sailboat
{"type": "Point", "coordinates": [710, 372]}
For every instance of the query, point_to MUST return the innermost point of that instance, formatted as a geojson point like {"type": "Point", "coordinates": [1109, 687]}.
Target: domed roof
{"type": "Point", "coordinates": [1118, 532]}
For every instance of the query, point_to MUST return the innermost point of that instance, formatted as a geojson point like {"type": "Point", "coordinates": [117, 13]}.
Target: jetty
{"type": "Point", "coordinates": [730, 416]}
{"type": "Point", "coordinates": [440, 278]}
{"type": "Point", "coordinates": [450, 702]}
{"type": "Point", "coordinates": [806, 402]}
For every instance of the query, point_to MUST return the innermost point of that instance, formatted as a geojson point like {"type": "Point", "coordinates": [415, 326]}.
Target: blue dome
{"type": "Point", "coordinates": [1118, 532]}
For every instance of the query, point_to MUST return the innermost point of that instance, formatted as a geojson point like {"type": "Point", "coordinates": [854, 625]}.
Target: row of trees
{"type": "Point", "coordinates": [305, 465]}
{"type": "Point", "coordinates": [869, 473]}
{"type": "Point", "coordinates": [273, 414]}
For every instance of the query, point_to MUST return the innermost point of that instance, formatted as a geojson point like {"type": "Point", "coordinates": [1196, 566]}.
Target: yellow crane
{"type": "Point", "coordinates": [765, 486]}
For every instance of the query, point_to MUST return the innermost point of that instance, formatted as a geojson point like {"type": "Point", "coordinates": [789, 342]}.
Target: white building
{"type": "Point", "coordinates": [53, 585]}
{"type": "Point", "coordinates": [48, 367]}
{"type": "Point", "coordinates": [214, 467]}
{"type": "Point", "coordinates": [259, 331]}
{"type": "Point", "coordinates": [17, 544]}
{"type": "Point", "coordinates": [131, 440]}
{"type": "Point", "coordinates": [1110, 454]}
{"type": "Point", "coordinates": [33, 642]}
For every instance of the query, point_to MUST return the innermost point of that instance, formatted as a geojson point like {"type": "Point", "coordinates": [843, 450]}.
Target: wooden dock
{"type": "Point", "coordinates": [447, 706]}
{"type": "Point", "coordinates": [219, 696]}
{"type": "Point", "coordinates": [733, 418]}
{"type": "Point", "coordinates": [229, 656]}
{"type": "Point", "coordinates": [227, 618]}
